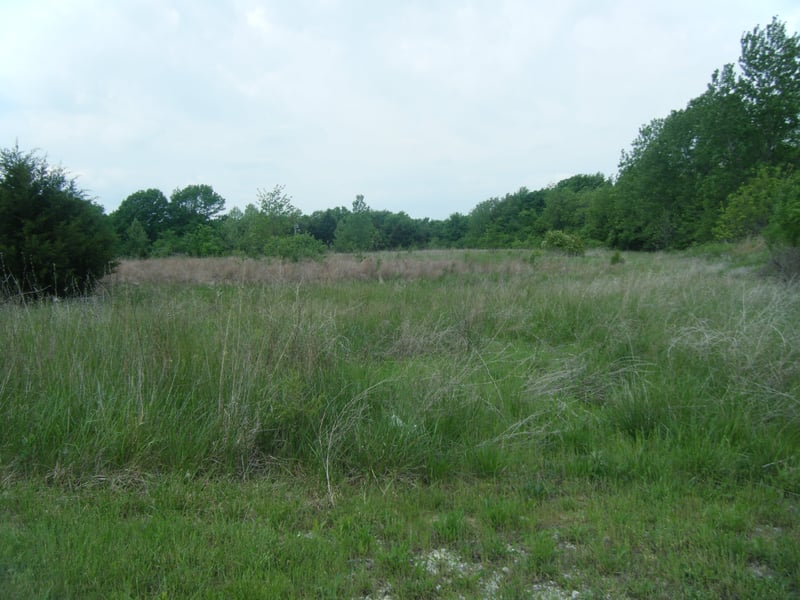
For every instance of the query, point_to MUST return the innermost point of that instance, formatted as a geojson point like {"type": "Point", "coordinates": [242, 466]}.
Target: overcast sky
{"type": "Point", "coordinates": [423, 106]}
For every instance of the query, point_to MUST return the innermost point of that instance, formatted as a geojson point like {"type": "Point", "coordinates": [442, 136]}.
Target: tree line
{"type": "Point", "coordinates": [191, 222]}
{"type": "Point", "coordinates": [722, 168]}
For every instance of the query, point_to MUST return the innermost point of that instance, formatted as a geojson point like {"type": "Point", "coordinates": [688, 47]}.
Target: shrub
{"type": "Point", "coordinates": [784, 226]}
{"type": "Point", "coordinates": [748, 209]}
{"type": "Point", "coordinates": [295, 247]}
{"type": "Point", "coordinates": [54, 241]}
{"type": "Point", "coordinates": [567, 243]}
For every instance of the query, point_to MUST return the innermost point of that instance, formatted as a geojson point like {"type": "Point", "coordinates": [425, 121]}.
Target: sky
{"type": "Point", "coordinates": [423, 106]}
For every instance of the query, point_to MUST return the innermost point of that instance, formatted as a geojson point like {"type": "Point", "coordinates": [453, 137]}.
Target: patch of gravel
{"type": "Point", "coordinates": [448, 567]}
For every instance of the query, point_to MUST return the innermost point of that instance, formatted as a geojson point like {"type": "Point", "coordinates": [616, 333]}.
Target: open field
{"type": "Point", "coordinates": [406, 425]}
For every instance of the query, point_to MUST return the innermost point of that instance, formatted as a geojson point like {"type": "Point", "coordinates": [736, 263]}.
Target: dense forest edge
{"type": "Point", "coordinates": [723, 168]}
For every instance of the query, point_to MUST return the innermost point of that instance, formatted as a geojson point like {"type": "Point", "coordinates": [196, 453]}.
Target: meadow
{"type": "Point", "coordinates": [439, 424]}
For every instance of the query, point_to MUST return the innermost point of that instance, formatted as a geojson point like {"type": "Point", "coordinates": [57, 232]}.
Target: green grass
{"type": "Point", "coordinates": [499, 427]}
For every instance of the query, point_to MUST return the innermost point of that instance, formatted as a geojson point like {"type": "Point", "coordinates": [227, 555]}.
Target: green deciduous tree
{"type": "Point", "coordinates": [360, 205]}
{"type": "Point", "coordinates": [399, 231]}
{"type": "Point", "coordinates": [750, 208]}
{"type": "Point", "coordinates": [656, 185]}
{"type": "Point", "coordinates": [600, 213]}
{"type": "Point", "coordinates": [150, 210]}
{"type": "Point", "coordinates": [356, 232]}
{"type": "Point", "coordinates": [135, 243]}
{"type": "Point", "coordinates": [784, 225]}
{"type": "Point", "coordinates": [681, 170]}
{"type": "Point", "coordinates": [452, 231]}
{"type": "Point", "coordinates": [53, 239]}
{"type": "Point", "coordinates": [322, 224]}
{"type": "Point", "coordinates": [558, 241]}
{"type": "Point", "coordinates": [282, 217]}
{"type": "Point", "coordinates": [193, 205]}
{"type": "Point", "coordinates": [297, 247]}
{"type": "Point", "coordinates": [564, 210]}
{"type": "Point", "coordinates": [204, 240]}
{"type": "Point", "coordinates": [505, 222]}
{"type": "Point", "coordinates": [770, 85]}
{"type": "Point", "coordinates": [149, 207]}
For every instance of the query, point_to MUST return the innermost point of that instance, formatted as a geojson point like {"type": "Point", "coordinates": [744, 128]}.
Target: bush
{"type": "Point", "coordinates": [748, 209]}
{"type": "Point", "coordinates": [295, 247]}
{"type": "Point", "coordinates": [569, 244]}
{"type": "Point", "coordinates": [784, 226]}
{"type": "Point", "coordinates": [53, 240]}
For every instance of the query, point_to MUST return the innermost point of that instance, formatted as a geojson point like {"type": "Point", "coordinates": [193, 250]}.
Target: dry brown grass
{"type": "Point", "coordinates": [334, 268]}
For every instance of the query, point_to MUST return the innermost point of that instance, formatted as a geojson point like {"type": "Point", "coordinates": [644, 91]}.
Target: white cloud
{"type": "Point", "coordinates": [423, 106]}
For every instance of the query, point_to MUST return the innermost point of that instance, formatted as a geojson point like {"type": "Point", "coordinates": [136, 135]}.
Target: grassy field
{"type": "Point", "coordinates": [415, 425]}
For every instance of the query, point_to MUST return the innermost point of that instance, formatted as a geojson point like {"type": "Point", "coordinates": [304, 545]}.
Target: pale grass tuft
{"type": "Point", "coordinates": [564, 394]}
{"type": "Point", "coordinates": [758, 338]}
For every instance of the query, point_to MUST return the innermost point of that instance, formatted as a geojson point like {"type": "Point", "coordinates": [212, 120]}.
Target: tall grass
{"type": "Point", "coordinates": [657, 367]}
{"type": "Point", "coordinates": [493, 424]}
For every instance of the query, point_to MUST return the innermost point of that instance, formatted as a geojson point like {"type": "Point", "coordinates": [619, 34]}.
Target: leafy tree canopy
{"type": "Point", "coordinates": [676, 180]}
{"type": "Point", "coordinates": [356, 232]}
{"type": "Point", "coordinates": [282, 216]}
{"type": "Point", "coordinates": [770, 85]}
{"type": "Point", "coordinates": [276, 203]}
{"type": "Point", "coordinates": [193, 205]}
{"type": "Point", "coordinates": [149, 207]}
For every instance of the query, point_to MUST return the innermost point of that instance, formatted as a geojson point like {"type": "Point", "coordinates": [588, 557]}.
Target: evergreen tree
{"type": "Point", "coordinates": [53, 239]}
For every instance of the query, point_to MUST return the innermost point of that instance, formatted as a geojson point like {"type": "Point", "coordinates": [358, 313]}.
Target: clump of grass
{"type": "Point", "coordinates": [784, 263]}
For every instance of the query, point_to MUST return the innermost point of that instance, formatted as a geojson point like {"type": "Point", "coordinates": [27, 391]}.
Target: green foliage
{"type": "Point", "coordinates": [770, 85]}
{"type": "Point", "coordinates": [398, 231]}
{"type": "Point", "coordinates": [360, 205]}
{"type": "Point", "coordinates": [246, 232]}
{"type": "Point", "coordinates": [600, 212]}
{"type": "Point", "coordinates": [784, 226]}
{"type": "Point", "coordinates": [356, 232]}
{"type": "Point", "coordinates": [135, 243]}
{"type": "Point", "coordinates": [519, 218]}
{"type": "Point", "coordinates": [276, 203]}
{"type": "Point", "coordinates": [280, 215]}
{"type": "Point", "coordinates": [452, 231]}
{"type": "Point", "coordinates": [582, 183]}
{"type": "Point", "coordinates": [53, 240]}
{"type": "Point", "coordinates": [204, 240]}
{"type": "Point", "coordinates": [167, 244]}
{"type": "Point", "coordinates": [499, 222]}
{"type": "Point", "coordinates": [301, 246]}
{"type": "Point", "coordinates": [673, 182]}
{"type": "Point", "coordinates": [783, 231]}
{"type": "Point", "coordinates": [564, 210]}
{"type": "Point", "coordinates": [768, 204]}
{"type": "Point", "coordinates": [193, 205]}
{"type": "Point", "coordinates": [559, 241]}
{"type": "Point", "coordinates": [150, 208]}
{"type": "Point", "coordinates": [750, 209]}
{"type": "Point", "coordinates": [681, 170]}
{"type": "Point", "coordinates": [322, 224]}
